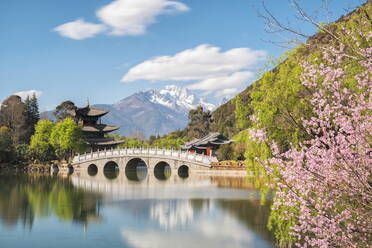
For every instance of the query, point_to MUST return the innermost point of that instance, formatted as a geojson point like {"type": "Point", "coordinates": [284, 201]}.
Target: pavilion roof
{"type": "Point", "coordinates": [210, 139]}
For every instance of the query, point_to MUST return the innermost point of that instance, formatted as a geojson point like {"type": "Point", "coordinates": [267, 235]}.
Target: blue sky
{"type": "Point", "coordinates": [109, 49]}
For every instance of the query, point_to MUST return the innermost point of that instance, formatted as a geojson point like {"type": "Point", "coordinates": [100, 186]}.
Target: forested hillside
{"type": "Point", "coordinates": [278, 93]}
{"type": "Point", "coordinates": [278, 101]}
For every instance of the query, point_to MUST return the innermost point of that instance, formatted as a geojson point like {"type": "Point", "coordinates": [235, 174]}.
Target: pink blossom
{"type": "Point", "coordinates": [328, 180]}
{"type": "Point", "coordinates": [258, 135]}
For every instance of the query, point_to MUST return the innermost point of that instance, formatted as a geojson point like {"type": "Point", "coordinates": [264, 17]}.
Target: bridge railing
{"type": "Point", "coordinates": [155, 152]}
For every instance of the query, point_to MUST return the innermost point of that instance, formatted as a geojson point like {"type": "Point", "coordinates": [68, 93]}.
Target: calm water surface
{"type": "Point", "coordinates": [110, 210]}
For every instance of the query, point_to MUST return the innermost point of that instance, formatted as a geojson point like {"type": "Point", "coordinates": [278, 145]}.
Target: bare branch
{"type": "Point", "coordinates": [275, 26]}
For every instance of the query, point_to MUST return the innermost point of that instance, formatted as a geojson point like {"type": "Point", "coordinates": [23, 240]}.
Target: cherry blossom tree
{"type": "Point", "coordinates": [324, 185]}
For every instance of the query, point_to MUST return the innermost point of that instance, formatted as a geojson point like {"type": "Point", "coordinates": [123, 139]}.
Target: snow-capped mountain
{"type": "Point", "coordinates": [153, 112]}
{"type": "Point", "coordinates": [177, 98]}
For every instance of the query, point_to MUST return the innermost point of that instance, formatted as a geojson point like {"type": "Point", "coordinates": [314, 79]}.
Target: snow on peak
{"type": "Point", "coordinates": [177, 98]}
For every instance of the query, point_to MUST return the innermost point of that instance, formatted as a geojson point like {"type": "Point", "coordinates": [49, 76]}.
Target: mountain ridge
{"type": "Point", "coordinates": [152, 112]}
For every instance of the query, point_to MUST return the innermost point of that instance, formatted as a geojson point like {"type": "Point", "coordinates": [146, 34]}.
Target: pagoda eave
{"type": "Point", "coordinates": [91, 112]}
{"type": "Point", "coordinates": [100, 128]}
{"type": "Point", "coordinates": [106, 143]}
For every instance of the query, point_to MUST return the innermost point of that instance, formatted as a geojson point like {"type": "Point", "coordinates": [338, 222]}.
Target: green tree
{"type": "Point", "coordinates": [13, 116]}
{"type": "Point", "coordinates": [199, 123]}
{"type": "Point", "coordinates": [34, 110]}
{"type": "Point", "coordinates": [152, 139]}
{"type": "Point", "coordinates": [22, 153]}
{"type": "Point", "coordinates": [65, 110]}
{"type": "Point", "coordinates": [40, 144]}
{"type": "Point", "coordinates": [170, 141]}
{"type": "Point", "coordinates": [242, 112]}
{"type": "Point", "coordinates": [67, 138]}
{"type": "Point", "coordinates": [32, 114]}
{"type": "Point", "coordinates": [134, 142]}
{"type": "Point", "coordinates": [5, 144]}
{"type": "Point", "coordinates": [225, 152]}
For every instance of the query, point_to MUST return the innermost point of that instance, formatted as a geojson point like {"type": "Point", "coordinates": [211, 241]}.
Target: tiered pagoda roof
{"type": "Point", "coordinates": [91, 111]}
{"type": "Point", "coordinates": [94, 131]}
{"type": "Point", "coordinates": [104, 142]}
{"type": "Point", "coordinates": [100, 128]}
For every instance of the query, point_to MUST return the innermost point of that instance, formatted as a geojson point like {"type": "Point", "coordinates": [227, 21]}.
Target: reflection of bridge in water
{"type": "Point", "coordinates": [143, 183]}
{"type": "Point", "coordinates": [161, 161]}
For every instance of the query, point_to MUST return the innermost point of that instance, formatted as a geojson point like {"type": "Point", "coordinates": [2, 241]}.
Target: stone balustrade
{"type": "Point", "coordinates": [146, 152]}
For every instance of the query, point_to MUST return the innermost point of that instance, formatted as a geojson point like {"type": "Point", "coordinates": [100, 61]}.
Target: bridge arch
{"type": "Point", "coordinates": [54, 169]}
{"type": "Point", "coordinates": [183, 171]}
{"type": "Point", "coordinates": [162, 171]}
{"type": "Point", "coordinates": [92, 170]}
{"type": "Point", "coordinates": [70, 169]}
{"type": "Point", "coordinates": [111, 170]}
{"type": "Point", "coordinates": [136, 169]}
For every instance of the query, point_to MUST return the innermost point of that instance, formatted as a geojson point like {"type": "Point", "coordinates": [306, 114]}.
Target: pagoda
{"type": "Point", "coordinates": [94, 131]}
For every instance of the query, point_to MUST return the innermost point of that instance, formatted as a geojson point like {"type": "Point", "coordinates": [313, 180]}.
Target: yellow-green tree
{"type": "Point", "coordinates": [40, 145]}
{"type": "Point", "coordinates": [169, 141]}
{"type": "Point", "coordinates": [242, 112]}
{"type": "Point", "coordinates": [67, 138]}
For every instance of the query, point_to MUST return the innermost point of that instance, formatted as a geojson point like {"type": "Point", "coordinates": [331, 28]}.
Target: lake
{"type": "Point", "coordinates": [137, 210]}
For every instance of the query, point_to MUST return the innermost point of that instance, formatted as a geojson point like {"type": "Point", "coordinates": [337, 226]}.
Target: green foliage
{"type": "Point", "coordinates": [257, 150]}
{"type": "Point", "coordinates": [22, 153]}
{"type": "Point", "coordinates": [65, 110]}
{"type": "Point", "coordinates": [225, 152]}
{"type": "Point", "coordinates": [5, 144]}
{"type": "Point", "coordinates": [33, 195]}
{"type": "Point", "coordinates": [32, 111]}
{"type": "Point", "coordinates": [171, 141]}
{"type": "Point", "coordinates": [153, 138]}
{"type": "Point", "coordinates": [133, 142]}
{"type": "Point", "coordinates": [114, 136]}
{"type": "Point", "coordinates": [278, 99]}
{"type": "Point", "coordinates": [242, 112]}
{"type": "Point", "coordinates": [199, 124]}
{"type": "Point", "coordinates": [40, 145]}
{"type": "Point", "coordinates": [20, 117]}
{"type": "Point", "coordinates": [128, 141]}
{"type": "Point", "coordinates": [13, 116]}
{"type": "Point", "coordinates": [66, 138]}
{"type": "Point", "coordinates": [280, 227]}
{"type": "Point", "coordinates": [240, 144]}
{"type": "Point", "coordinates": [224, 117]}
{"type": "Point", "coordinates": [279, 102]}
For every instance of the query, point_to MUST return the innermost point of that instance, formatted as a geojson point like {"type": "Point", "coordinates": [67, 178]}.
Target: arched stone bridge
{"type": "Point", "coordinates": [130, 158]}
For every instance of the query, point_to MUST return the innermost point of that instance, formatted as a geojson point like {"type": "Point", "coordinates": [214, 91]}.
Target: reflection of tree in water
{"type": "Point", "coordinates": [232, 182]}
{"type": "Point", "coordinates": [251, 213]}
{"type": "Point", "coordinates": [24, 197]}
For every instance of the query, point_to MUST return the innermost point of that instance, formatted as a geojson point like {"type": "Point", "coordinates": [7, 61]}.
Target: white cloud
{"type": "Point", "coordinates": [236, 79]}
{"type": "Point", "coordinates": [204, 231]}
{"type": "Point", "coordinates": [79, 29]}
{"type": "Point", "coordinates": [30, 93]}
{"type": "Point", "coordinates": [227, 92]}
{"type": "Point", "coordinates": [211, 69]}
{"type": "Point", "coordinates": [122, 17]}
{"type": "Point", "coordinates": [132, 17]}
